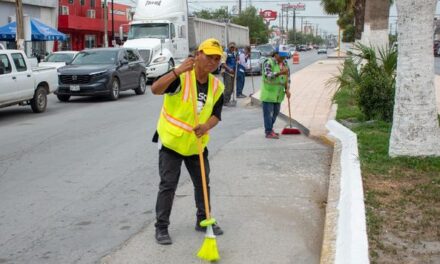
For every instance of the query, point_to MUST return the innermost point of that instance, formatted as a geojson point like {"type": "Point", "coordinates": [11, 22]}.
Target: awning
{"type": "Point", "coordinates": [39, 32]}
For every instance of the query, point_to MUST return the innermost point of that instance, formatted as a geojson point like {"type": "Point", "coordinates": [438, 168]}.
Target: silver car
{"type": "Point", "coordinates": [254, 63]}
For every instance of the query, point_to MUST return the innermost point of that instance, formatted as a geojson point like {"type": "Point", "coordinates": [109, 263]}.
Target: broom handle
{"type": "Point", "coordinates": [201, 159]}
{"type": "Point", "coordinates": [288, 105]}
{"type": "Point", "coordinates": [290, 117]}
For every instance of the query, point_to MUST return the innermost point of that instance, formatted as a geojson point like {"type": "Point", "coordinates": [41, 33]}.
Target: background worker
{"type": "Point", "coordinates": [228, 76]}
{"type": "Point", "coordinates": [242, 64]}
{"type": "Point", "coordinates": [176, 133]}
{"type": "Point", "coordinates": [276, 84]}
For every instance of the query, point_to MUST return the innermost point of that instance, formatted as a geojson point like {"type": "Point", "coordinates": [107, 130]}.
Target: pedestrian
{"type": "Point", "coordinates": [242, 65]}
{"type": "Point", "coordinates": [176, 134]}
{"type": "Point", "coordinates": [229, 72]}
{"type": "Point", "coordinates": [275, 86]}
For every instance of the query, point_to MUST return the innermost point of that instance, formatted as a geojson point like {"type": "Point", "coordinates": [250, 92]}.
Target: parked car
{"type": "Point", "coordinates": [322, 50]}
{"type": "Point", "coordinates": [23, 85]}
{"type": "Point", "coordinates": [254, 63]}
{"type": "Point", "coordinates": [265, 49]}
{"type": "Point", "coordinates": [58, 59]}
{"type": "Point", "coordinates": [102, 71]}
{"type": "Point", "coordinates": [292, 50]}
{"type": "Point", "coordinates": [302, 48]}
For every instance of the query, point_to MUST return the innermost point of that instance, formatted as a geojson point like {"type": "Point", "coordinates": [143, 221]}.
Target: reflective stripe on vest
{"type": "Point", "coordinates": [176, 122]}
{"type": "Point", "coordinates": [187, 88]}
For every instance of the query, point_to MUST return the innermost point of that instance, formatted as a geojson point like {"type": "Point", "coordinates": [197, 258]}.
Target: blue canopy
{"type": "Point", "coordinates": [8, 31]}
{"type": "Point", "coordinates": [39, 32]}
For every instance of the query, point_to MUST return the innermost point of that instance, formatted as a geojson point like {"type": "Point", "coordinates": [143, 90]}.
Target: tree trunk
{"type": "Point", "coordinates": [376, 23]}
{"type": "Point", "coordinates": [415, 130]}
{"type": "Point", "coordinates": [359, 14]}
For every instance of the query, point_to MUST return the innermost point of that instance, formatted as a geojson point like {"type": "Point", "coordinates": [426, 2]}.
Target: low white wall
{"type": "Point", "coordinates": [351, 235]}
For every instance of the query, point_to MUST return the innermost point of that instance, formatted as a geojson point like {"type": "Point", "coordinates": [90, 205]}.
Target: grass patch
{"type": "Point", "coordinates": [402, 195]}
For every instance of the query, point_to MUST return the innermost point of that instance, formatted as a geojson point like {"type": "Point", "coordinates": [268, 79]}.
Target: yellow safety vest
{"type": "Point", "coordinates": [273, 90]}
{"type": "Point", "coordinates": [176, 121]}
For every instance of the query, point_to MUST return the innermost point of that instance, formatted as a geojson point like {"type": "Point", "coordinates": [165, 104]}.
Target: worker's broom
{"type": "Point", "coordinates": [290, 130]}
{"type": "Point", "coordinates": [208, 251]}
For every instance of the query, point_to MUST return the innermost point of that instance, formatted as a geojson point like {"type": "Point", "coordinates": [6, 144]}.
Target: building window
{"type": "Point", "coordinates": [81, 2]}
{"type": "Point", "coordinates": [64, 10]}
{"type": "Point", "coordinates": [92, 3]}
{"type": "Point", "coordinates": [91, 13]}
{"type": "Point", "coordinates": [90, 41]}
{"type": "Point", "coordinates": [70, 1]}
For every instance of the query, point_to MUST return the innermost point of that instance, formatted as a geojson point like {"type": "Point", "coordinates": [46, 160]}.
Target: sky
{"type": "Point", "coordinates": [313, 12]}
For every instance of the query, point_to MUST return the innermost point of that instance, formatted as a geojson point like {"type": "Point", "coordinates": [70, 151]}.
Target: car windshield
{"type": "Point", "coordinates": [59, 57]}
{"type": "Point", "coordinates": [156, 30]}
{"type": "Point", "coordinates": [96, 57]}
{"type": "Point", "coordinates": [265, 48]}
{"type": "Point", "coordinates": [255, 55]}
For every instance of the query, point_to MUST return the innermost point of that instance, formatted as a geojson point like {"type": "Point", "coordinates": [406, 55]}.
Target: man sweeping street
{"type": "Point", "coordinates": [276, 84]}
{"type": "Point", "coordinates": [177, 135]}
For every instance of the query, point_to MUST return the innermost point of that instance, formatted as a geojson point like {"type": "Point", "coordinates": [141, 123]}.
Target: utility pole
{"type": "Point", "coordinates": [301, 24]}
{"type": "Point", "coordinates": [19, 37]}
{"type": "Point", "coordinates": [239, 7]}
{"type": "Point", "coordinates": [282, 19]}
{"type": "Point", "coordinates": [105, 24]}
{"type": "Point", "coordinates": [294, 24]}
{"type": "Point", "coordinates": [113, 25]}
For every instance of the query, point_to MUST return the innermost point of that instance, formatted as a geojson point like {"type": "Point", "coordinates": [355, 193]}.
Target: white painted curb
{"type": "Point", "coordinates": [351, 231]}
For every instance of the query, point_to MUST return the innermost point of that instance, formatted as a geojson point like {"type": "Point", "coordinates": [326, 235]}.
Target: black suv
{"type": "Point", "coordinates": [102, 71]}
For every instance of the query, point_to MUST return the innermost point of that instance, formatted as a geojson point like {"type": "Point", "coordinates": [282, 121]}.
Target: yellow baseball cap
{"type": "Point", "coordinates": [211, 46]}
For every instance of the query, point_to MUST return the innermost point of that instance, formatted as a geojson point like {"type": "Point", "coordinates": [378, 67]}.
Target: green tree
{"type": "Point", "coordinates": [258, 32]}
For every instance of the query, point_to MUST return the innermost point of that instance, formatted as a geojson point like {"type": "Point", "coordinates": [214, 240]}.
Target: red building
{"type": "Point", "coordinates": [83, 22]}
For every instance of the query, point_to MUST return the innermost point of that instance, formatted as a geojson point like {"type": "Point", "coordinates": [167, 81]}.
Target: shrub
{"type": "Point", "coordinates": [371, 80]}
{"type": "Point", "coordinates": [375, 94]}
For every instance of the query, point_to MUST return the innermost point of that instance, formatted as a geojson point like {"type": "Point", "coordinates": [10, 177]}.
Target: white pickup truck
{"type": "Point", "coordinates": [21, 84]}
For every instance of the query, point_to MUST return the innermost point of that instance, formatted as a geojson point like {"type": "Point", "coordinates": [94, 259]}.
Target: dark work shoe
{"type": "Point", "coordinates": [215, 228]}
{"type": "Point", "coordinates": [162, 237]}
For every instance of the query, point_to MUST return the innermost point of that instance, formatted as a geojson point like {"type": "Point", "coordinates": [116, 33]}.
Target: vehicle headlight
{"type": "Point", "coordinates": [160, 59]}
{"type": "Point", "coordinates": [98, 74]}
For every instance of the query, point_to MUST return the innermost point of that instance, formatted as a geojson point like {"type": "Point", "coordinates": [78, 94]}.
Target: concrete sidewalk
{"type": "Point", "coordinates": [268, 196]}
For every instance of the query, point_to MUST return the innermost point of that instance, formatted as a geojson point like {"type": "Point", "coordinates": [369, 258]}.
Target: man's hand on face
{"type": "Point", "coordinates": [187, 65]}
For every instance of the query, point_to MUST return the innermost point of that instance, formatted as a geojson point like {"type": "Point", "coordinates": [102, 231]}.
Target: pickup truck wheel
{"type": "Point", "coordinates": [114, 92]}
{"type": "Point", "coordinates": [63, 97]}
{"type": "Point", "coordinates": [142, 85]}
{"type": "Point", "coordinates": [39, 102]}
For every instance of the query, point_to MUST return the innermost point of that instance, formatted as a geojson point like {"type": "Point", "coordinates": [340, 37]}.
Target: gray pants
{"type": "Point", "coordinates": [228, 80]}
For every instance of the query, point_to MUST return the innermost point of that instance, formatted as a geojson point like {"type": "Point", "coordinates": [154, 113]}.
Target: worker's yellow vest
{"type": "Point", "coordinates": [176, 121]}
{"type": "Point", "coordinates": [273, 90]}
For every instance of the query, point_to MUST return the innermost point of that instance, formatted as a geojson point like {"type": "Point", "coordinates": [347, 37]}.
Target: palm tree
{"type": "Point", "coordinates": [376, 23]}
{"type": "Point", "coordinates": [415, 130]}
{"type": "Point", "coordinates": [359, 14]}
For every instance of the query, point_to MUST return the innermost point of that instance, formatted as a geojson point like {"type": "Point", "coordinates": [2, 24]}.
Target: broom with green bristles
{"type": "Point", "coordinates": [208, 251]}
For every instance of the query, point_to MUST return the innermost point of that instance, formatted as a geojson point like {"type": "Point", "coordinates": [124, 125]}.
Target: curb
{"type": "Point", "coordinates": [328, 250]}
{"type": "Point", "coordinates": [345, 230]}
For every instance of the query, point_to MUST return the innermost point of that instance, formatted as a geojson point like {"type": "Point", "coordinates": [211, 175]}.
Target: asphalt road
{"type": "Point", "coordinates": [81, 178]}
